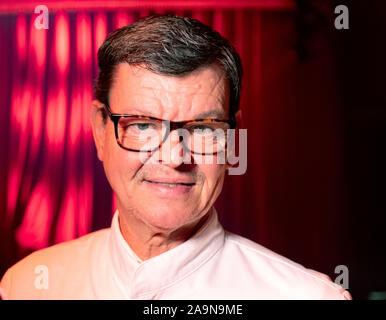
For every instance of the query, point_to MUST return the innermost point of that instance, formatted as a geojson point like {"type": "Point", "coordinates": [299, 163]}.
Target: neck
{"type": "Point", "coordinates": [148, 242]}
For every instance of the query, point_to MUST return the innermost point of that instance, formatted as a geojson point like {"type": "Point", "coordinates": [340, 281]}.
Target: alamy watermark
{"type": "Point", "coordinates": [342, 20]}
{"type": "Point", "coordinates": [42, 20]}
{"type": "Point", "coordinates": [223, 153]}
{"type": "Point", "coordinates": [42, 277]}
{"type": "Point", "coordinates": [343, 276]}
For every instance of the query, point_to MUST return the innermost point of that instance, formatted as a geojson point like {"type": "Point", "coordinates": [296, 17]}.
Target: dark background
{"type": "Point", "coordinates": [362, 53]}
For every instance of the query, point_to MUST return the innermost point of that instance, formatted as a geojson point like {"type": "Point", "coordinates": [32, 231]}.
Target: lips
{"type": "Point", "coordinates": [167, 188]}
{"type": "Point", "coordinates": [170, 182]}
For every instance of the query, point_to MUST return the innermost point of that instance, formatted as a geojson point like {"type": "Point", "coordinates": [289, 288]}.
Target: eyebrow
{"type": "Point", "coordinates": [212, 113]}
{"type": "Point", "coordinates": [219, 114]}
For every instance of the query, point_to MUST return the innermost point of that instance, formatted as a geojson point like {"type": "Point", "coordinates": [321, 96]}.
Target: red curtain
{"type": "Point", "coordinates": [53, 187]}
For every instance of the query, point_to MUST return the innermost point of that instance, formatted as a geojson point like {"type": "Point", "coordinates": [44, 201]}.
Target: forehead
{"type": "Point", "coordinates": [137, 90]}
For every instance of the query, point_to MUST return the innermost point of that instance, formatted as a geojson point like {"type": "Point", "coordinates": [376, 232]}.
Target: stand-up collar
{"type": "Point", "coordinates": [140, 278]}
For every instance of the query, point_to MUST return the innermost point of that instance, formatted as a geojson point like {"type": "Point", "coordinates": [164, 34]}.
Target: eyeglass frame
{"type": "Point", "coordinates": [173, 125]}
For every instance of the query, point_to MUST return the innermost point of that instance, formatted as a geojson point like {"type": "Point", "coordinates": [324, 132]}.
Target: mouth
{"type": "Point", "coordinates": [170, 188]}
{"type": "Point", "coordinates": [171, 184]}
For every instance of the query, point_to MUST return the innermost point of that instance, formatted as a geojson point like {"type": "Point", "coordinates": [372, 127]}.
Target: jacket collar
{"type": "Point", "coordinates": [140, 278]}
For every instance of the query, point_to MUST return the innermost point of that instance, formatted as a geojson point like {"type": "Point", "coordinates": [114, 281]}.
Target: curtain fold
{"type": "Point", "coordinates": [50, 182]}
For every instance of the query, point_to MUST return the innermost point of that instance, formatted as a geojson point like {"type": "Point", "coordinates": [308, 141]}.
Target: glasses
{"type": "Point", "coordinates": [147, 134]}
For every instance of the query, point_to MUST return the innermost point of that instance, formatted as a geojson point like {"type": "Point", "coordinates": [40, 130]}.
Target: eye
{"type": "Point", "coordinates": [138, 125]}
{"type": "Point", "coordinates": [202, 129]}
{"type": "Point", "coordinates": [143, 126]}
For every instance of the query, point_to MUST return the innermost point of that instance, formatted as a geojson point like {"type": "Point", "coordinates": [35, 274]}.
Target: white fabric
{"type": "Point", "coordinates": [213, 264]}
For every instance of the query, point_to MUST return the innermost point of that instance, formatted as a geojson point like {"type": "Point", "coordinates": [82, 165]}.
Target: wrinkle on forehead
{"type": "Point", "coordinates": [202, 90]}
{"type": "Point", "coordinates": [187, 85]}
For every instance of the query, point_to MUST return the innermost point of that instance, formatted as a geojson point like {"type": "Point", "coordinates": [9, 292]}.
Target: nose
{"type": "Point", "coordinates": [172, 152]}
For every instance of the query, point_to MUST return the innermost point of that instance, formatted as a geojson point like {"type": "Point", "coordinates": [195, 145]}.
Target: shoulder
{"type": "Point", "coordinates": [65, 252]}
{"type": "Point", "coordinates": [61, 261]}
{"type": "Point", "coordinates": [279, 274]}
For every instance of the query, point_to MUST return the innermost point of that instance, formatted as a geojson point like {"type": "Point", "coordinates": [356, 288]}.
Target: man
{"type": "Point", "coordinates": [167, 87]}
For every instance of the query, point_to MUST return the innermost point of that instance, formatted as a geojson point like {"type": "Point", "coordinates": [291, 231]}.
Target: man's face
{"type": "Point", "coordinates": [163, 195]}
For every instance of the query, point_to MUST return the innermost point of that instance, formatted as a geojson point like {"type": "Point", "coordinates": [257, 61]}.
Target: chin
{"type": "Point", "coordinates": [167, 218]}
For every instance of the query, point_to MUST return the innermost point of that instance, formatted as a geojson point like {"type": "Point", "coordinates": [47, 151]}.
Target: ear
{"type": "Point", "coordinates": [98, 127]}
{"type": "Point", "coordinates": [233, 144]}
{"type": "Point", "coordinates": [239, 119]}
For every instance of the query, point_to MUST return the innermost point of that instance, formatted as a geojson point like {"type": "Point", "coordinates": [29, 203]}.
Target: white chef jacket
{"type": "Point", "coordinates": [212, 264]}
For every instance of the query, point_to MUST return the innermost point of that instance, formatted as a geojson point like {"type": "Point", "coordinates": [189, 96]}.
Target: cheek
{"type": "Point", "coordinates": [214, 176]}
{"type": "Point", "coordinates": [120, 165]}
